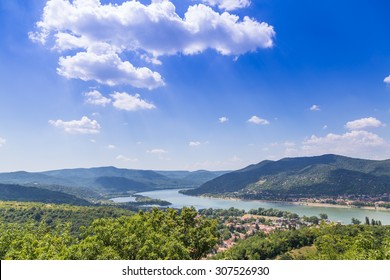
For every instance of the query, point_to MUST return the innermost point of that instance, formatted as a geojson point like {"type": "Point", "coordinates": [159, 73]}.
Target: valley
{"type": "Point", "coordinates": [94, 213]}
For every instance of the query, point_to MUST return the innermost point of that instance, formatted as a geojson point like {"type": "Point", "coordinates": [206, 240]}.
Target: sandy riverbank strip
{"type": "Point", "coordinates": [304, 203]}
{"type": "Point", "coordinates": [318, 204]}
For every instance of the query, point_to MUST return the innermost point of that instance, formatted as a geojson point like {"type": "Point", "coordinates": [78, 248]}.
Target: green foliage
{"type": "Point", "coordinates": [262, 247]}
{"type": "Point", "coordinates": [31, 242]}
{"type": "Point", "coordinates": [326, 242]}
{"type": "Point", "coordinates": [228, 213]}
{"type": "Point", "coordinates": [273, 213]}
{"type": "Point", "coordinates": [149, 235]}
{"type": "Point", "coordinates": [145, 200]}
{"type": "Point", "coordinates": [354, 242]}
{"type": "Point", "coordinates": [10, 192]}
{"type": "Point", "coordinates": [355, 221]}
{"type": "Point", "coordinates": [52, 214]}
{"type": "Point", "coordinates": [313, 219]}
{"type": "Point", "coordinates": [146, 235]}
{"type": "Point", "coordinates": [323, 216]}
{"type": "Point", "coordinates": [288, 178]}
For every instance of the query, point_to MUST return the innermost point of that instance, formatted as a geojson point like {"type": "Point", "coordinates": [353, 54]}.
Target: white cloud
{"type": "Point", "coordinates": [223, 119]}
{"type": "Point", "coordinates": [111, 147]}
{"type": "Point", "coordinates": [82, 126]}
{"type": "Point", "coordinates": [157, 151]}
{"type": "Point", "coordinates": [150, 59]}
{"type": "Point", "coordinates": [94, 97]}
{"type": "Point", "coordinates": [126, 159]}
{"type": "Point", "coordinates": [98, 37]}
{"type": "Point", "coordinates": [353, 143]}
{"type": "Point", "coordinates": [121, 100]}
{"type": "Point", "coordinates": [124, 101]}
{"type": "Point", "coordinates": [2, 141]}
{"type": "Point", "coordinates": [387, 80]}
{"type": "Point", "coordinates": [194, 144]}
{"type": "Point", "coordinates": [107, 69]}
{"type": "Point", "coordinates": [257, 120]}
{"type": "Point", "coordinates": [315, 108]}
{"type": "Point", "coordinates": [363, 123]}
{"type": "Point", "coordinates": [228, 5]}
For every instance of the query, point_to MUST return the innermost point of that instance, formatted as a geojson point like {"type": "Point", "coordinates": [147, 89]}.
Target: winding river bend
{"type": "Point", "coordinates": [343, 215]}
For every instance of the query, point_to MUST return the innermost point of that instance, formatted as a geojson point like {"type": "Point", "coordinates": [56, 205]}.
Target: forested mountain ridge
{"type": "Point", "coordinates": [10, 192]}
{"type": "Point", "coordinates": [324, 175]}
{"type": "Point", "coordinates": [93, 183]}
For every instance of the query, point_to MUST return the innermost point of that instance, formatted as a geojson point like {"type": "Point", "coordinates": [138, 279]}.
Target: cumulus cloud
{"type": "Point", "coordinates": [363, 123]}
{"type": "Point", "coordinates": [82, 126]}
{"type": "Point", "coordinates": [97, 37]}
{"type": "Point", "coordinates": [228, 5]}
{"type": "Point", "coordinates": [107, 69]}
{"type": "Point", "coordinates": [356, 142]}
{"type": "Point", "coordinates": [353, 143]}
{"type": "Point", "coordinates": [110, 147]}
{"type": "Point", "coordinates": [194, 143]}
{"type": "Point", "coordinates": [315, 108]}
{"type": "Point", "coordinates": [94, 97]}
{"type": "Point", "coordinates": [124, 101]}
{"type": "Point", "coordinates": [121, 100]}
{"type": "Point", "coordinates": [223, 119]}
{"type": "Point", "coordinates": [387, 80]}
{"type": "Point", "coordinates": [2, 141]}
{"type": "Point", "coordinates": [257, 120]}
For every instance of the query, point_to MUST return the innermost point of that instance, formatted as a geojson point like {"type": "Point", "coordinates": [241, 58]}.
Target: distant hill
{"type": "Point", "coordinates": [122, 184]}
{"type": "Point", "coordinates": [95, 183]}
{"type": "Point", "coordinates": [192, 178]}
{"type": "Point", "coordinates": [325, 175]}
{"type": "Point", "coordinates": [33, 194]}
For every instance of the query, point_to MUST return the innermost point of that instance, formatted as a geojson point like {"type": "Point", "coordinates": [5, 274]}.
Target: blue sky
{"type": "Point", "coordinates": [193, 84]}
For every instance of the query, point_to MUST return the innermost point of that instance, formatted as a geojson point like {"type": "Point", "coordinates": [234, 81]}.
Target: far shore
{"type": "Point", "coordinates": [304, 203]}
{"type": "Point", "coordinates": [318, 204]}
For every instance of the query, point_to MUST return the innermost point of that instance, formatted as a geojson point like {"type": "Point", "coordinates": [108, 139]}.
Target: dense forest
{"type": "Point", "coordinates": [10, 192]}
{"type": "Point", "coordinates": [53, 214]}
{"type": "Point", "coordinates": [30, 230]}
{"type": "Point", "coordinates": [153, 235]}
{"type": "Point", "coordinates": [302, 177]}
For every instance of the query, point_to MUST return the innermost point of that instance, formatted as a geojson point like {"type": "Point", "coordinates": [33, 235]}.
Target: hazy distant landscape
{"type": "Point", "coordinates": [102, 182]}
{"type": "Point", "coordinates": [56, 202]}
{"type": "Point", "coordinates": [194, 129]}
{"type": "Point", "coordinates": [328, 179]}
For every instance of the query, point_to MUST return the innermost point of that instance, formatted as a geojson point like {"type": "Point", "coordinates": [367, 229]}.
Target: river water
{"type": "Point", "coordinates": [343, 215]}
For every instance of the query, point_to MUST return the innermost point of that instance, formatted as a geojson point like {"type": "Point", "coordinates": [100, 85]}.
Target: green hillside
{"type": "Point", "coordinates": [303, 177]}
{"type": "Point", "coordinates": [122, 184]}
{"type": "Point", "coordinates": [21, 193]}
{"type": "Point", "coordinates": [99, 182]}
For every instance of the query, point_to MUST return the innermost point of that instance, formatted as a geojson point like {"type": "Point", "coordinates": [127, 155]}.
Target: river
{"type": "Point", "coordinates": [343, 215]}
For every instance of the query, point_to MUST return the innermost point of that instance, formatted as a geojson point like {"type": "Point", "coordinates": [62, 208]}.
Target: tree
{"type": "Point", "coordinates": [323, 216]}
{"type": "Point", "coordinates": [150, 235]}
{"type": "Point", "coordinates": [356, 221]}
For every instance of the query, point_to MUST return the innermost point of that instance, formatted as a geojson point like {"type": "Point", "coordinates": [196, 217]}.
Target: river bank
{"type": "Point", "coordinates": [319, 204]}
{"type": "Point", "coordinates": [344, 205]}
